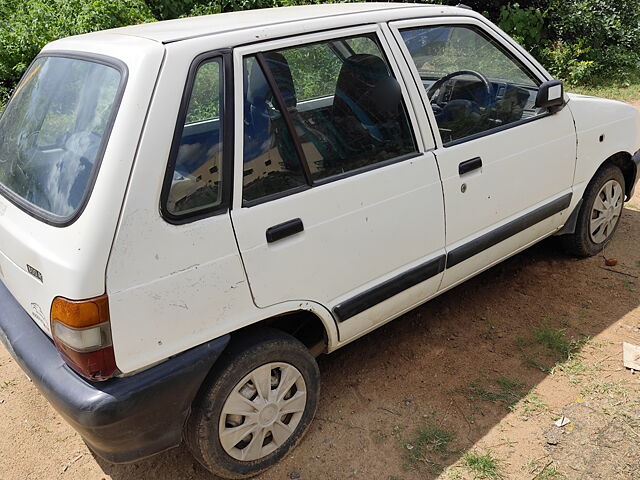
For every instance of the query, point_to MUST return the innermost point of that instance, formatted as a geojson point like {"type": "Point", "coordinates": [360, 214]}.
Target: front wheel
{"type": "Point", "coordinates": [255, 406]}
{"type": "Point", "coordinates": [599, 214]}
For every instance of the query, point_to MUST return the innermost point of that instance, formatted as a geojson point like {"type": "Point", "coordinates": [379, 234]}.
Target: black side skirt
{"type": "Point", "coordinates": [375, 295]}
{"type": "Point", "coordinates": [488, 240]}
{"type": "Point", "coordinates": [388, 289]}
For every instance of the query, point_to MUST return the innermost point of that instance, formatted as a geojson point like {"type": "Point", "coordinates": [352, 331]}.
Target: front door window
{"type": "Point", "coordinates": [474, 86]}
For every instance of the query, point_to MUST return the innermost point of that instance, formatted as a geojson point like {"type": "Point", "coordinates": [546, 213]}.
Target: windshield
{"type": "Point", "coordinates": [51, 133]}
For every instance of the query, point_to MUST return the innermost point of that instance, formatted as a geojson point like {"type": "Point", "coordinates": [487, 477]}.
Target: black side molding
{"type": "Point", "coordinates": [282, 230]}
{"type": "Point", "coordinates": [388, 289]}
{"type": "Point", "coordinates": [419, 274]}
{"type": "Point", "coordinates": [470, 165]}
{"type": "Point", "coordinates": [500, 234]}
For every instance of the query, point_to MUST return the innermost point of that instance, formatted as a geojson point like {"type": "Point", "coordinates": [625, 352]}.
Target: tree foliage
{"type": "Point", "coordinates": [28, 25]}
{"type": "Point", "coordinates": [581, 41]}
{"type": "Point", "coordinates": [592, 40]}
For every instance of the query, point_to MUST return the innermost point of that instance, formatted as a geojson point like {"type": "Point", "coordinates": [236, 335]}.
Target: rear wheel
{"type": "Point", "coordinates": [599, 214]}
{"type": "Point", "coordinates": [255, 406]}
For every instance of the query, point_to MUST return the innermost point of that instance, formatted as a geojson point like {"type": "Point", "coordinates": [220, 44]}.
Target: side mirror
{"type": "Point", "coordinates": [550, 95]}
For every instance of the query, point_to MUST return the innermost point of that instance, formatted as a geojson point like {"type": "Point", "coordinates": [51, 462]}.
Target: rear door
{"type": "Point", "coordinates": [507, 166]}
{"type": "Point", "coordinates": [337, 197]}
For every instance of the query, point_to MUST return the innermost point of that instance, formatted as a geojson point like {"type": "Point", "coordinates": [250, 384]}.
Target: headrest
{"type": "Point", "coordinates": [365, 81]}
{"type": "Point", "coordinates": [361, 71]}
{"type": "Point", "coordinates": [282, 73]}
{"type": "Point", "coordinates": [258, 88]}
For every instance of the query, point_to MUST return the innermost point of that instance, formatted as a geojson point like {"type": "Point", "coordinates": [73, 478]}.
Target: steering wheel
{"type": "Point", "coordinates": [441, 81]}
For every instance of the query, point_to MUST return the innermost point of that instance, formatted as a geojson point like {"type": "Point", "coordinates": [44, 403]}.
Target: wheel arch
{"type": "Point", "coordinates": [304, 325]}
{"type": "Point", "coordinates": [624, 161]}
{"type": "Point", "coordinates": [306, 321]}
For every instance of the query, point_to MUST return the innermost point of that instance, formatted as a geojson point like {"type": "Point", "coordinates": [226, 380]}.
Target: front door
{"type": "Point", "coordinates": [507, 166]}
{"type": "Point", "coordinates": [336, 200]}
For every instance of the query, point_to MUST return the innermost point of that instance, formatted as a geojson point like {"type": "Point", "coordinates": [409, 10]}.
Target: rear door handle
{"type": "Point", "coordinates": [470, 165]}
{"type": "Point", "coordinates": [283, 230]}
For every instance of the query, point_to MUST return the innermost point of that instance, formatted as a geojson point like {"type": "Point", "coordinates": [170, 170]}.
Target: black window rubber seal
{"type": "Point", "coordinates": [286, 115]}
{"type": "Point", "coordinates": [226, 118]}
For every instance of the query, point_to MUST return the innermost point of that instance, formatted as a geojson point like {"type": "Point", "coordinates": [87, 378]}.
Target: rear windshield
{"type": "Point", "coordinates": [52, 134]}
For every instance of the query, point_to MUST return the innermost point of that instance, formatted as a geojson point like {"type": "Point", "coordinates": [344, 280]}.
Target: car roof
{"type": "Point", "coordinates": [184, 28]}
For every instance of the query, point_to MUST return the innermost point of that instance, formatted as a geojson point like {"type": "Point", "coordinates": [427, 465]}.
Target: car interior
{"type": "Point", "coordinates": [359, 121]}
{"type": "Point", "coordinates": [472, 83]}
{"type": "Point", "coordinates": [362, 123]}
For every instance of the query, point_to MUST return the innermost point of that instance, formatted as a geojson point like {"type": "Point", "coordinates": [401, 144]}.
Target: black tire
{"type": "Point", "coordinates": [580, 242]}
{"type": "Point", "coordinates": [244, 355]}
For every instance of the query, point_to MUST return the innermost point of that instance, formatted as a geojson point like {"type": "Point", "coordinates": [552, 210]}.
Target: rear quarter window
{"type": "Point", "coordinates": [194, 182]}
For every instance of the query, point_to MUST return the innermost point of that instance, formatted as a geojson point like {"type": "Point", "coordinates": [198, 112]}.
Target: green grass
{"type": "Point", "coordinates": [573, 368]}
{"type": "Point", "coordinates": [626, 92]}
{"type": "Point", "coordinates": [556, 341]}
{"type": "Point", "coordinates": [630, 285]}
{"type": "Point", "coordinates": [505, 391]}
{"type": "Point", "coordinates": [531, 405]}
{"type": "Point", "coordinates": [548, 472]}
{"type": "Point", "coordinates": [614, 389]}
{"type": "Point", "coordinates": [547, 348]}
{"type": "Point", "coordinates": [482, 466]}
{"type": "Point", "coordinates": [426, 446]}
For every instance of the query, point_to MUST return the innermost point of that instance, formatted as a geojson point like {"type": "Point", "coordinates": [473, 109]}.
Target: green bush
{"type": "Point", "coordinates": [525, 25]}
{"type": "Point", "coordinates": [594, 40]}
{"type": "Point", "coordinates": [206, 7]}
{"type": "Point", "coordinates": [34, 23]}
{"type": "Point", "coordinates": [567, 61]}
{"type": "Point", "coordinates": [492, 8]}
{"type": "Point", "coordinates": [168, 9]}
{"type": "Point", "coordinates": [580, 41]}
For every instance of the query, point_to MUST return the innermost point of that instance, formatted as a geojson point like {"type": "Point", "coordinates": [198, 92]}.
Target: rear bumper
{"type": "Point", "coordinates": [123, 419]}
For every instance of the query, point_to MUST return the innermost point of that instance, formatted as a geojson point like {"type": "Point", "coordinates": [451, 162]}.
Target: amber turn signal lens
{"type": "Point", "coordinates": [80, 314]}
{"type": "Point", "coordinates": [81, 332]}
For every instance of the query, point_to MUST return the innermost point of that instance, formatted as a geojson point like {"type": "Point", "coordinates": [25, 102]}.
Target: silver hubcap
{"type": "Point", "coordinates": [262, 411]}
{"type": "Point", "coordinates": [606, 211]}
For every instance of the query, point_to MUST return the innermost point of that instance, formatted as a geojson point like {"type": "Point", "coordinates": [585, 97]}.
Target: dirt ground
{"type": "Point", "coordinates": [469, 384]}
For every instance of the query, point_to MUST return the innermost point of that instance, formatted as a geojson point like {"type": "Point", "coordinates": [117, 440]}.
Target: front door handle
{"type": "Point", "coordinates": [470, 165]}
{"type": "Point", "coordinates": [282, 230]}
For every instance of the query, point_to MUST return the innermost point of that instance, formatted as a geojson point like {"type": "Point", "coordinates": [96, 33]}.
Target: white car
{"type": "Point", "coordinates": [192, 210]}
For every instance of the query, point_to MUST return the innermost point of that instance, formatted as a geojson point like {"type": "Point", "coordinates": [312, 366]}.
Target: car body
{"type": "Point", "coordinates": [305, 207]}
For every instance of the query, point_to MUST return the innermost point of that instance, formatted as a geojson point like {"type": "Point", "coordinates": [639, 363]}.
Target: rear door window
{"type": "Point", "coordinates": [53, 131]}
{"type": "Point", "coordinates": [333, 107]}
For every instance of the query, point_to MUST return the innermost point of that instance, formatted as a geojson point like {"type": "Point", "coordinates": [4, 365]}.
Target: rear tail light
{"type": "Point", "coordinates": [82, 334]}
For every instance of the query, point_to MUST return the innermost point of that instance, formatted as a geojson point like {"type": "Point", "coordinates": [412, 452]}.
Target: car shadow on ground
{"type": "Point", "coordinates": [409, 399]}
